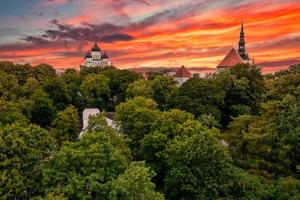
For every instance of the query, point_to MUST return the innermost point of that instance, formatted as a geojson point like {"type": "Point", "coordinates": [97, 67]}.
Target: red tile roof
{"type": "Point", "coordinates": [231, 59]}
{"type": "Point", "coordinates": [182, 72]}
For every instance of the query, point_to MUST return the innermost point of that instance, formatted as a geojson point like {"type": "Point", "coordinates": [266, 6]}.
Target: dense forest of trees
{"type": "Point", "coordinates": [231, 135]}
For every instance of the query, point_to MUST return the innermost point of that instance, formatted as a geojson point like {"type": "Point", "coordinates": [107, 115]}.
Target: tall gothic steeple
{"type": "Point", "coordinates": [242, 48]}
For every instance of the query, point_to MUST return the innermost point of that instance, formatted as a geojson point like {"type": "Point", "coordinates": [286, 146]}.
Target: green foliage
{"type": "Point", "coordinates": [8, 86]}
{"type": "Point", "coordinates": [186, 156]}
{"type": "Point", "coordinates": [21, 72]}
{"type": "Point", "coordinates": [58, 92]}
{"type": "Point", "coordinates": [66, 126]}
{"type": "Point", "coordinates": [73, 81]}
{"type": "Point", "coordinates": [44, 72]}
{"type": "Point", "coordinates": [283, 188]}
{"type": "Point", "coordinates": [94, 70]}
{"type": "Point", "coordinates": [268, 144]}
{"type": "Point", "coordinates": [164, 90]}
{"type": "Point", "coordinates": [153, 75]}
{"type": "Point", "coordinates": [30, 87]}
{"type": "Point", "coordinates": [23, 151]}
{"type": "Point", "coordinates": [95, 90]}
{"type": "Point", "coordinates": [42, 111]}
{"type": "Point", "coordinates": [87, 169]}
{"type": "Point", "coordinates": [139, 88]}
{"type": "Point", "coordinates": [119, 80]}
{"type": "Point", "coordinates": [201, 97]}
{"type": "Point", "coordinates": [199, 167]}
{"type": "Point", "coordinates": [244, 87]}
{"type": "Point", "coordinates": [135, 183]}
{"type": "Point", "coordinates": [135, 118]}
{"type": "Point", "coordinates": [97, 123]}
{"type": "Point", "coordinates": [9, 113]}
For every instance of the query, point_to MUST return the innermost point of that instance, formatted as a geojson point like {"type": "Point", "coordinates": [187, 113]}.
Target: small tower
{"type": "Point", "coordinates": [88, 57]}
{"type": "Point", "coordinates": [96, 52]}
{"type": "Point", "coordinates": [182, 75]}
{"type": "Point", "coordinates": [242, 49]}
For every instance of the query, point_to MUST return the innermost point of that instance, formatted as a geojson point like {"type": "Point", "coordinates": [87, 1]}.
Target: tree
{"type": "Point", "coordinates": [95, 90]}
{"type": "Point", "coordinates": [94, 70]}
{"type": "Point", "coordinates": [73, 81]}
{"type": "Point", "coordinates": [66, 126]}
{"type": "Point", "coordinates": [86, 169]}
{"type": "Point", "coordinates": [283, 188]}
{"type": "Point", "coordinates": [9, 113]}
{"type": "Point", "coordinates": [9, 87]}
{"type": "Point", "coordinates": [162, 130]}
{"type": "Point", "coordinates": [24, 150]}
{"type": "Point", "coordinates": [42, 111]}
{"type": "Point", "coordinates": [30, 87]}
{"type": "Point", "coordinates": [244, 87]}
{"type": "Point", "coordinates": [97, 123]}
{"type": "Point", "coordinates": [164, 90]}
{"type": "Point", "coordinates": [139, 88]}
{"type": "Point", "coordinates": [268, 144]}
{"type": "Point", "coordinates": [201, 96]}
{"type": "Point", "coordinates": [119, 81]}
{"type": "Point", "coordinates": [58, 92]}
{"type": "Point", "coordinates": [198, 167]}
{"type": "Point", "coordinates": [135, 118]}
{"type": "Point", "coordinates": [135, 183]}
{"type": "Point", "coordinates": [43, 72]}
{"type": "Point", "coordinates": [21, 72]}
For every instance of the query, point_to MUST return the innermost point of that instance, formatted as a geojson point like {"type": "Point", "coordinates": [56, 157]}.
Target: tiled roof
{"type": "Point", "coordinates": [182, 72]}
{"type": "Point", "coordinates": [231, 59]}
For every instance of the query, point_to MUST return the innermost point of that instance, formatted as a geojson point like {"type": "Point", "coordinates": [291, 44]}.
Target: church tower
{"type": "Point", "coordinates": [242, 48]}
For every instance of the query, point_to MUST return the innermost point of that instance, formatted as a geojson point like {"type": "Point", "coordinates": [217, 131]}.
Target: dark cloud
{"type": "Point", "coordinates": [36, 40]}
{"type": "Point", "coordinates": [116, 37]}
{"type": "Point", "coordinates": [83, 33]}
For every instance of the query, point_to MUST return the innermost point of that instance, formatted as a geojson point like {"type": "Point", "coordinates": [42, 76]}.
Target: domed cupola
{"type": "Point", "coordinates": [88, 55]}
{"type": "Point", "coordinates": [104, 55]}
{"type": "Point", "coordinates": [96, 47]}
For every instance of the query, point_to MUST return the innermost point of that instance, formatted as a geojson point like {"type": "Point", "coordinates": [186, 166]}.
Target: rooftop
{"type": "Point", "coordinates": [231, 59]}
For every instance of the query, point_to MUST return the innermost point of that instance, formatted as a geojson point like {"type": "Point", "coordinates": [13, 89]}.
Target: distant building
{"type": "Point", "coordinates": [182, 75]}
{"type": "Point", "coordinates": [242, 45]}
{"type": "Point", "coordinates": [96, 58]}
{"type": "Point", "coordinates": [91, 112]}
{"type": "Point", "coordinates": [85, 118]}
{"type": "Point", "coordinates": [233, 57]}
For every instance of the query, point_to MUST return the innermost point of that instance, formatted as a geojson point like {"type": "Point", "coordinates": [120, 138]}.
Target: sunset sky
{"type": "Point", "coordinates": [149, 33]}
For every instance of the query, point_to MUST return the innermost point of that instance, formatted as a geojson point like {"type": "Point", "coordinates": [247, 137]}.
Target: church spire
{"type": "Point", "coordinates": [242, 48]}
{"type": "Point", "coordinates": [242, 28]}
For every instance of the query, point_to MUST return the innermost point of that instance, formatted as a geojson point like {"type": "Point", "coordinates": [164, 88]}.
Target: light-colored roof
{"type": "Point", "coordinates": [231, 59]}
{"type": "Point", "coordinates": [182, 72]}
{"type": "Point", "coordinates": [85, 116]}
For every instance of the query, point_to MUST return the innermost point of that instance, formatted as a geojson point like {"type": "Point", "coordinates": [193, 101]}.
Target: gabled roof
{"type": "Point", "coordinates": [231, 59]}
{"type": "Point", "coordinates": [182, 72]}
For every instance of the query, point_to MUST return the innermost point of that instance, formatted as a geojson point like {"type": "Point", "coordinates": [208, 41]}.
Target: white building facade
{"type": "Point", "coordinates": [96, 58]}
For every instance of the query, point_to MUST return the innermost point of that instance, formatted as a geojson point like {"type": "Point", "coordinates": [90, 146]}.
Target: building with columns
{"type": "Point", "coordinates": [96, 58]}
